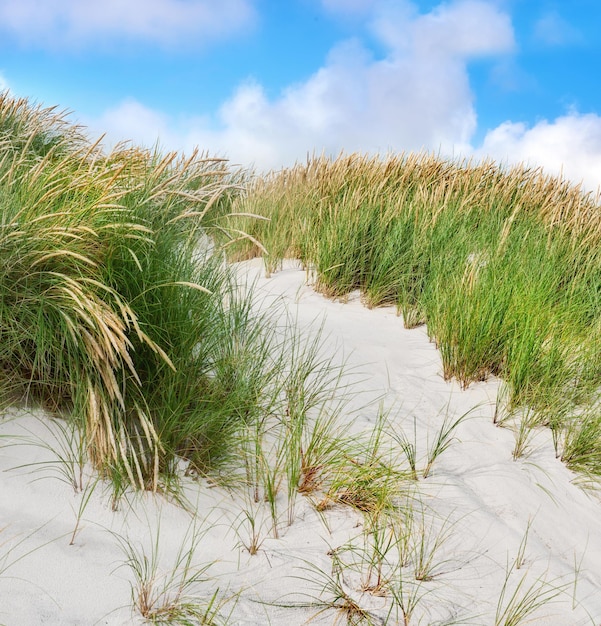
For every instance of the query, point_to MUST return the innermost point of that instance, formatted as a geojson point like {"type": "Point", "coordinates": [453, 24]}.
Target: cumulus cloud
{"type": "Point", "coordinates": [570, 145]}
{"type": "Point", "coordinates": [68, 22]}
{"type": "Point", "coordinates": [417, 95]}
{"type": "Point", "coordinates": [132, 121]}
{"type": "Point", "coordinates": [462, 30]}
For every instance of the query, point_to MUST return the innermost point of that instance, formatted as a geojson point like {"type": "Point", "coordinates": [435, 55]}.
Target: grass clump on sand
{"type": "Point", "coordinates": [503, 264]}
{"type": "Point", "coordinates": [115, 308]}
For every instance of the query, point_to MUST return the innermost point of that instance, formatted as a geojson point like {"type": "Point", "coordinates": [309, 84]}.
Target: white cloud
{"type": "Point", "coordinates": [463, 29]}
{"type": "Point", "coordinates": [83, 22]}
{"type": "Point", "coordinates": [569, 145]}
{"type": "Point", "coordinates": [417, 96]}
{"type": "Point", "coordinates": [3, 84]}
{"type": "Point", "coordinates": [132, 121]}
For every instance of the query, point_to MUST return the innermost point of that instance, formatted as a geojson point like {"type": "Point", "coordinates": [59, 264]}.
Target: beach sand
{"type": "Point", "coordinates": [489, 512]}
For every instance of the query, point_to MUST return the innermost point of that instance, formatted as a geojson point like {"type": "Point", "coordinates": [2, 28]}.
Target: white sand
{"type": "Point", "coordinates": [484, 499]}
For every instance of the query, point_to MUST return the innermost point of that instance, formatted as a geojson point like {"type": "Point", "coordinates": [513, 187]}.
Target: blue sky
{"type": "Point", "coordinates": [264, 82]}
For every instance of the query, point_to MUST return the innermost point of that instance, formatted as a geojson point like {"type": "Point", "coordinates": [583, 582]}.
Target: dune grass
{"type": "Point", "coordinates": [118, 312]}
{"type": "Point", "coordinates": [502, 263]}
{"type": "Point", "coordinates": [116, 308]}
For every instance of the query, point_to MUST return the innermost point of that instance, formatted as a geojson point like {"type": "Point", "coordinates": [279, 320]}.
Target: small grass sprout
{"type": "Point", "coordinates": [442, 441]}
{"type": "Point", "coordinates": [520, 559]}
{"type": "Point", "coordinates": [444, 437]}
{"type": "Point", "coordinates": [84, 499]}
{"type": "Point", "coordinates": [517, 602]}
{"type": "Point", "coordinates": [333, 593]}
{"type": "Point", "coordinates": [368, 480]}
{"type": "Point", "coordinates": [409, 448]}
{"type": "Point", "coordinates": [427, 540]}
{"type": "Point", "coordinates": [174, 595]}
{"type": "Point", "coordinates": [250, 528]}
{"type": "Point", "coordinates": [63, 442]}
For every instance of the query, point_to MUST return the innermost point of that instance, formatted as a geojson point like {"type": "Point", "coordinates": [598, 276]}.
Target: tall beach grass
{"type": "Point", "coordinates": [502, 263]}
{"type": "Point", "coordinates": [116, 308]}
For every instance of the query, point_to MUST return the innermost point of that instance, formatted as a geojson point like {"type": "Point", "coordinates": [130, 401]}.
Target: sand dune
{"type": "Point", "coordinates": [521, 523]}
